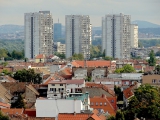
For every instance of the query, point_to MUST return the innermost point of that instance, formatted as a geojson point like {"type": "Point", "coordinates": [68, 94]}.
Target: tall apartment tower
{"type": "Point", "coordinates": [78, 35]}
{"type": "Point", "coordinates": [134, 36]}
{"type": "Point", "coordinates": [38, 34]}
{"type": "Point", "coordinates": [116, 35]}
{"type": "Point", "coordinates": [57, 31]}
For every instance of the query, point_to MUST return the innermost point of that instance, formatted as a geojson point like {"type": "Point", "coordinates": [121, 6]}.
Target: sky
{"type": "Point", "coordinates": [12, 11]}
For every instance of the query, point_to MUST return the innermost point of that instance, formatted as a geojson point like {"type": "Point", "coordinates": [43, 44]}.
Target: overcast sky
{"type": "Point", "coordinates": [12, 11]}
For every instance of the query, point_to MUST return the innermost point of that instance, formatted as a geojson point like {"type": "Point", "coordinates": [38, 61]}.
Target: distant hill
{"type": "Point", "coordinates": [145, 24]}
{"type": "Point", "coordinates": [11, 28]}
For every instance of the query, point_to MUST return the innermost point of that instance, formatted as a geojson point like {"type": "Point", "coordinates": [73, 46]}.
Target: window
{"type": "Point", "coordinates": [61, 84]}
{"type": "Point", "coordinates": [96, 103]}
{"type": "Point", "coordinates": [92, 103]}
{"type": "Point", "coordinates": [105, 103]}
{"type": "Point", "coordinates": [53, 84]}
{"type": "Point", "coordinates": [101, 104]}
{"type": "Point", "coordinates": [154, 81]}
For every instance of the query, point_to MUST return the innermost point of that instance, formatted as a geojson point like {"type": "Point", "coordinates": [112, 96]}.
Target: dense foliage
{"type": "Point", "coordinates": [149, 43]}
{"type": "Point", "coordinates": [3, 117]}
{"type": "Point", "coordinates": [61, 56]}
{"type": "Point", "coordinates": [10, 45]}
{"type": "Point", "coordinates": [11, 55]}
{"type": "Point", "coordinates": [19, 103]}
{"type": "Point", "coordinates": [125, 69]}
{"type": "Point", "coordinates": [118, 93]}
{"type": "Point", "coordinates": [96, 52]}
{"type": "Point", "coordinates": [145, 103]}
{"type": "Point", "coordinates": [28, 76]}
{"type": "Point", "coordinates": [152, 59]}
{"type": "Point", "coordinates": [77, 57]}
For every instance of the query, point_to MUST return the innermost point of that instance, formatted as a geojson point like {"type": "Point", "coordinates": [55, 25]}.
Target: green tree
{"type": "Point", "coordinates": [152, 59]}
{"type": "Point", "coordinates": [6, 72]}
{"type": "Point", "coordinates": [4, 64]}
{"type": "Point", "coordinates": [3, 117]}
{"type": "Point", "coordinates": [119, 115]}
{"type": "Point", "coordinates": [95, 52]}
{"type": "Point", "coordinates": [77, 57]}
{"type": "Point", "coordinates": [157, 69]}
{"type": "Point", "coordinates": [88, 78]}
{"type": "Point", "coordinates": [118, 93]}
{"type": "Point", "coordinates": [61, 56]}
{"type": "Point", "coordinates": [19, 103]}
{"type": "Point", "coordinates": [108, 58]}
{"type": "Point", "coordinates": [145, 103]}
{"type": "Point", "coordinates": [28, 76]}
{"type": "Point", "coordinates": [125, 69]}
{"type": "Point", "coordinates": [111, 118]}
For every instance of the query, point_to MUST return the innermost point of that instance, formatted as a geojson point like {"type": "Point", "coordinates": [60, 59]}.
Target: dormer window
{"type": "Point", "coordinates": [105, 103]}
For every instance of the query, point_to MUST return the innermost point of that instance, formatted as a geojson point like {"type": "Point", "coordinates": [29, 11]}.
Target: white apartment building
{"type": "Point", "coordinates": [78, 35]}
{"type": "Point", "coordinates": [134, 36]}
{"type": "Point", "coordinates": [116, 35]}
{"type": "Point", "coordinates": [38, 33]}
{"type": "Point", "coordinates": [60, 48]}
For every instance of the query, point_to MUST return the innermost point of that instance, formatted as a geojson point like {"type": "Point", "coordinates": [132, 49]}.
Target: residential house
{"type": "Point", "coordinates": [80, 73]}
{"type": "Point", "coordinates": [120, 64]}
{"type": "Point", "coordinates": [6, 78]}
{"type": "Point", "coordinates": [4, 105]}
{"type": "Point", "coordinates": [31, 95]}
{"type": "Point", "coordinates": [40, 58]}
{"type": "Point", "coordinates": [52, 107]}
{"type": "Point", "coordinates": [151, 79]}
{"type": "Point", "coordinates": [102, 102]}
{"type": "Point", "coordinates": [59, 88]}
{"type": "Point", "coordinates": [128, 93]}
{"type": "Point", "coordinates": [5, 96]}
{"type": "Point", "coordinates": [98, 73]}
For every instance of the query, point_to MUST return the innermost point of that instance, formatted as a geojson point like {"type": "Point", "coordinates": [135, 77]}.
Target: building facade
{"type": "Point", "coordinates": [134, 36]}
{"type": "Point", "coordinates": [38, 34]}
{"type": "Point", "coordinates": [60, 48]}
{"type": "Point", "coordinates": [78, 35]}
{"type": "Point", "coordinates": [116, 35]}
{"type": "Point", "coordinates": [57, 31]}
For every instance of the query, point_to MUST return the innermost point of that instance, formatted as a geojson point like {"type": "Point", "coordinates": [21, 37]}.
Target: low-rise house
{"type": "Point", "coordinates": [139, 68]}
{"type": "Point", "coordinates": [5, 96]}
{"type": "Point", "coordinates": [151, 79]}
{"type": "Point", "coordinates": [98, 73]}
{"type": "Point", "coordinates": [59, 88]}
{"type": "Point", "coordinates": [6, 78]}
{"type": "Point", "coordinates": [120, 64]}
{"type": "Point", "coordinates": [4, 105]}
{"type": "Point", "coordinates": [110, 83]}
{"type": "Point", "coordinates": [80, 73]}
{"type": "Point", "coordinates": [102, 102]}
{"type": "Point", "coordinates": [52, 107]}
{"type": "Point", "coordinates": [40, 58]}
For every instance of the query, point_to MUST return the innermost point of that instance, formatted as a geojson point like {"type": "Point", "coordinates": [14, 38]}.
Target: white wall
{"type": "Point", "coordinates": [51, 108]}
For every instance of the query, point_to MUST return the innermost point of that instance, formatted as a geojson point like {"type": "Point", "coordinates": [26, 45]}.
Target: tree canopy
{"type": "Point", "coordinates": [125, 69]}
{"type": "Point", "coordinates": [77, 57]}
{"type": "Point", "coordinates": [152, 59]}
{"type": "Point", "coordinates": [3, 117]}
{"type": "Point", "coordinates": [19, 103]}
{"type": "Point", "coordinates": [28, 76]}
{"type": "Point", "coordinates": [145, 103]}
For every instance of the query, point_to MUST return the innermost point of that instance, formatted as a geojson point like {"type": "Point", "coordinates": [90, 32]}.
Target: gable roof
{"type": "Point", "coordinates": [128, 92]}
{"type": "Point", "coordinates": [5, 105]}
{"type": "Point", "coordinates": [102, 103]}
{"type": "Point", "coordinates": [104, 87]}
{"type": "Point", "coordinates": [76, 116]}
{"type": "Point", "coordinates": [15, 86]}
{"type": "Point", "coordinates": [97, 63]}
{"type": "Point", "coordinates": [32, 89]}
{"type": "Point", "coordinates": [5, 96]}
{"type": "Point", "coordinates": [12, 111]}
{"type": "Point", "coordinates": [8, 78]}
{"type": "Point", "coordinates": [40, 56]}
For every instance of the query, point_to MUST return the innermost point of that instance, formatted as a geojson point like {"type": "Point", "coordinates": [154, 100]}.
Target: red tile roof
{"type": "Point", "coordinates": [40, 56]}
{"type": "Point", "coordinates": [104, 87]}
{"type": "Point", "coordinates": [97, 63]}
{"type": "Point", "coordinates": [128, 92]}
{"type": "Point", "coordinates": [77, 116]}
{"type": "Point", "coordinates": [67, 81]}
{"type": "Point", "coordinates": [102, 103]}
{"type": "Point", "coordinates": [4, 105]}
{"type": "Point", "coordinates": [12, 111]}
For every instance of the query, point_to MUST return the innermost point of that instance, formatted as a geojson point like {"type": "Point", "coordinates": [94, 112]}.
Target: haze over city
{"type": "Point", "coordinates": [13, 10]}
